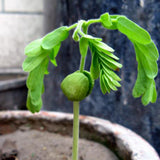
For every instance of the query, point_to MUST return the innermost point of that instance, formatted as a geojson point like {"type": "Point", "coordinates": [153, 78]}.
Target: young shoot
{"type": "Point", "coordinates": [104, 63]}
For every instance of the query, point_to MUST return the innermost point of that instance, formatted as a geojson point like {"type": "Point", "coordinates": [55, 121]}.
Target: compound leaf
{"type": "Point", "coordinates": [148, 59]}
{"type": "Point", "coordinates": [132, 30]}
{"type": "Point", "coordinates": [35, 86]}
{"type": "Point", "coordinates": [32, 62]}
{"type": "Point", "coordinates": [34, 48]}
{"type": "Point", "coordinates": [95, 68]}
{"type": "Point", "coordinates": [150, 94]}
{"type": "Point", "coordinates": [102, 85]}
{"type": "Point", "coordinates": [106, 59]}
{"type": "Point", "coordinates": [54, 53]}
{"type": "Point", "coordinates": [55, 37]}
{"type": "Point", "coordinates": [102, 46]}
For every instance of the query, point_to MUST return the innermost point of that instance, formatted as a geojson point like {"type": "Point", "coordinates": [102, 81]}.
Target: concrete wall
{"type": "Point", "coordinates": [21, 21]}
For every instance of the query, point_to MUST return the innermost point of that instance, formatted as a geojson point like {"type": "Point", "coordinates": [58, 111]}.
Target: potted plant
{"type": "Point", "coordinates": [79, 84]}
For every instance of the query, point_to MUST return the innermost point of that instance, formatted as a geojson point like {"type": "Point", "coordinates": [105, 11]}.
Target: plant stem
{"type": "Point", "coordinates": [93, 21]}
{"type": "Point", "coordinates": [72, 26]}
{"type": "Point", "coordinates": [75, 130]}
{"type": "Point", "coordinates": [83, 59]}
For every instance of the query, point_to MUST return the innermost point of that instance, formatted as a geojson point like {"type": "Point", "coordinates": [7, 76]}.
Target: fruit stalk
{"type": "Point", "coordinates": [75, 130]}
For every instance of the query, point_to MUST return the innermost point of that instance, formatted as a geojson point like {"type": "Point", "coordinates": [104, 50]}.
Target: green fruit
{"type": "Point", "coordinates": [77, 85]}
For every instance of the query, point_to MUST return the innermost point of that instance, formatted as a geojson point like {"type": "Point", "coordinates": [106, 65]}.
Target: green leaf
{"type": "Point", "coordinates": [56, 49]}
{"type": "Point", "coordinates": [34, 48]}
{"type": "Point", "coordinates": [141, 82]}
{"type": "Point", "coordinates": [83, 46]}
{"type": "Point", "coordinates": [106, 59]}
{"type": "Point", "coordinates": [55, 37]}
{"type": "Point", "coordinates": [144, 86]}
{"type": "Point", "coordinates": [132, 30]}
{"type": "Point", "coordinates": [35, 86]}
{"type": "Point", "coordinates": [111, 74]}
{"type": "Point", "coordinates": [95, 68]}
{"type": "Point", "coordinates": [106, 20]}
{"type": "Point", "coordinates": [102, 46]}
{"type": "Point", "coordinates": [32, 62]}
{"type": "Point", "coordinates": [112, 80]}
{"type": "Point", "coordinates": [102, 85]}
{"type": "Point", "coordinates": [150, 94]}
{"type": "Point", "coordinates": [53, 54]}
{"type": "Point", "coordinates": [110, 84]}
{"type": "Point", "coordinates": [113, 19]}
{"type": "Point", "coordinates": [148, 56]}
{"type": "Point", "coordinates": [91, 38]}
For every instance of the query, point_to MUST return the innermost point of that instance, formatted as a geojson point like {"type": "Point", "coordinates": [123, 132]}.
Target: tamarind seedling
{"type": "Point", "coordinates": [104, 63]}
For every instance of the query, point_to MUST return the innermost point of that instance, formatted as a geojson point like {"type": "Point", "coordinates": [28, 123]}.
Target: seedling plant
{"type": "Point", "coordinates": [104, 63]}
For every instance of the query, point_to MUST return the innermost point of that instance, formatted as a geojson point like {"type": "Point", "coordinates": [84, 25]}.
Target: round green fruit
{"type": "Point", "coordinates": [77, 85]}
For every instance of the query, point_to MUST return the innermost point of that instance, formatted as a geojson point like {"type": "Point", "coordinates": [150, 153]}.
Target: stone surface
{"type": "Point", "coordinates": [0, 5]}
{"type": "Point", "coordinates": [120, 106]}
{"type": "Point", "coordinates": [16, 32]}
{"type": "Point", "coordinates": [23, 6]}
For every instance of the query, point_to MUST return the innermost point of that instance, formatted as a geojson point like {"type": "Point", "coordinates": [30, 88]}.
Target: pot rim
{"type": "Point", "coordinates": [127, 144]}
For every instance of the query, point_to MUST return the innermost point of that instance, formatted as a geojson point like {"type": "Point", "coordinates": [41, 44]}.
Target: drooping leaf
{"type": "Point", "coordinates": [56, 49]}
{"type": "Point", "coordinates": [35, 86]}
{"type": "Point", "coordinates": [83, 46]}
{"type": "Point", "coordinates": [55, 37]}
{"type": "Point", "coordinates": [32, 62]}
{"type": "Point", "coordinates": [150, 94]}
{"type": "Point", "coordinates": [53, 54]}
{"type": "Point", "coordinates": [132, 30]}
{"type": "Point", "coordinates": [148, 57]}
{"type": "Point", "coordinates": [106, 20]}
{"type": "Point", "coordinates": [34, 48]}
{"type": "Point", "coordinates": [144, 85]}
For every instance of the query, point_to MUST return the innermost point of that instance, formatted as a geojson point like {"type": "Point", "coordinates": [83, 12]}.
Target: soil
{"type": "Point", "coordinates": [39, 145]}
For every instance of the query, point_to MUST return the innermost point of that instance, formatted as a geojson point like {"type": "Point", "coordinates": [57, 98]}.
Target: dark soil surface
{"type": "Point", "coordinates": [39, 145]}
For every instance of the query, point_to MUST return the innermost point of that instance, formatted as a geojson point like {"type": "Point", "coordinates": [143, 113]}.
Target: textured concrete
{"type": "Point", "coordinates": [23, 5]}
{"type": "Point", "coordinates": [126, 144]}
{"type": "Point", "coordinates": [0, 5]}
{"type": "Point", "coordinates": [120, 106]}
{"type": "Point", "coordinates": [17, 31]}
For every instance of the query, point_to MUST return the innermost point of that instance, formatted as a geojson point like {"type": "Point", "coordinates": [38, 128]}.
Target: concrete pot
{"type": "Point", "coordinates": [126, 144]}
{"type": "Point", "coordinates": [13, 90]}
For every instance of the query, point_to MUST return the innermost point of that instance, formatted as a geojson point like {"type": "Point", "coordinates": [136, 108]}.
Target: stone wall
{"type": "Point", "coordinates": [21, 21]}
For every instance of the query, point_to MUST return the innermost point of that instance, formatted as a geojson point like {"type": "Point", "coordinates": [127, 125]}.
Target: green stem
{"type": "Point", "coordinates": [75, 130]}
{"type": "Point", "coordinates": [83, 59]}
{"type": "Point", "coordinates": [93, 21]}
{"type": "Point", "coordinates": [72, 26]}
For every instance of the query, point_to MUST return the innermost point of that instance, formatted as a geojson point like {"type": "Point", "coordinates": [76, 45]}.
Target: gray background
{"type": "Point", "coordinates": [119, 107]}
